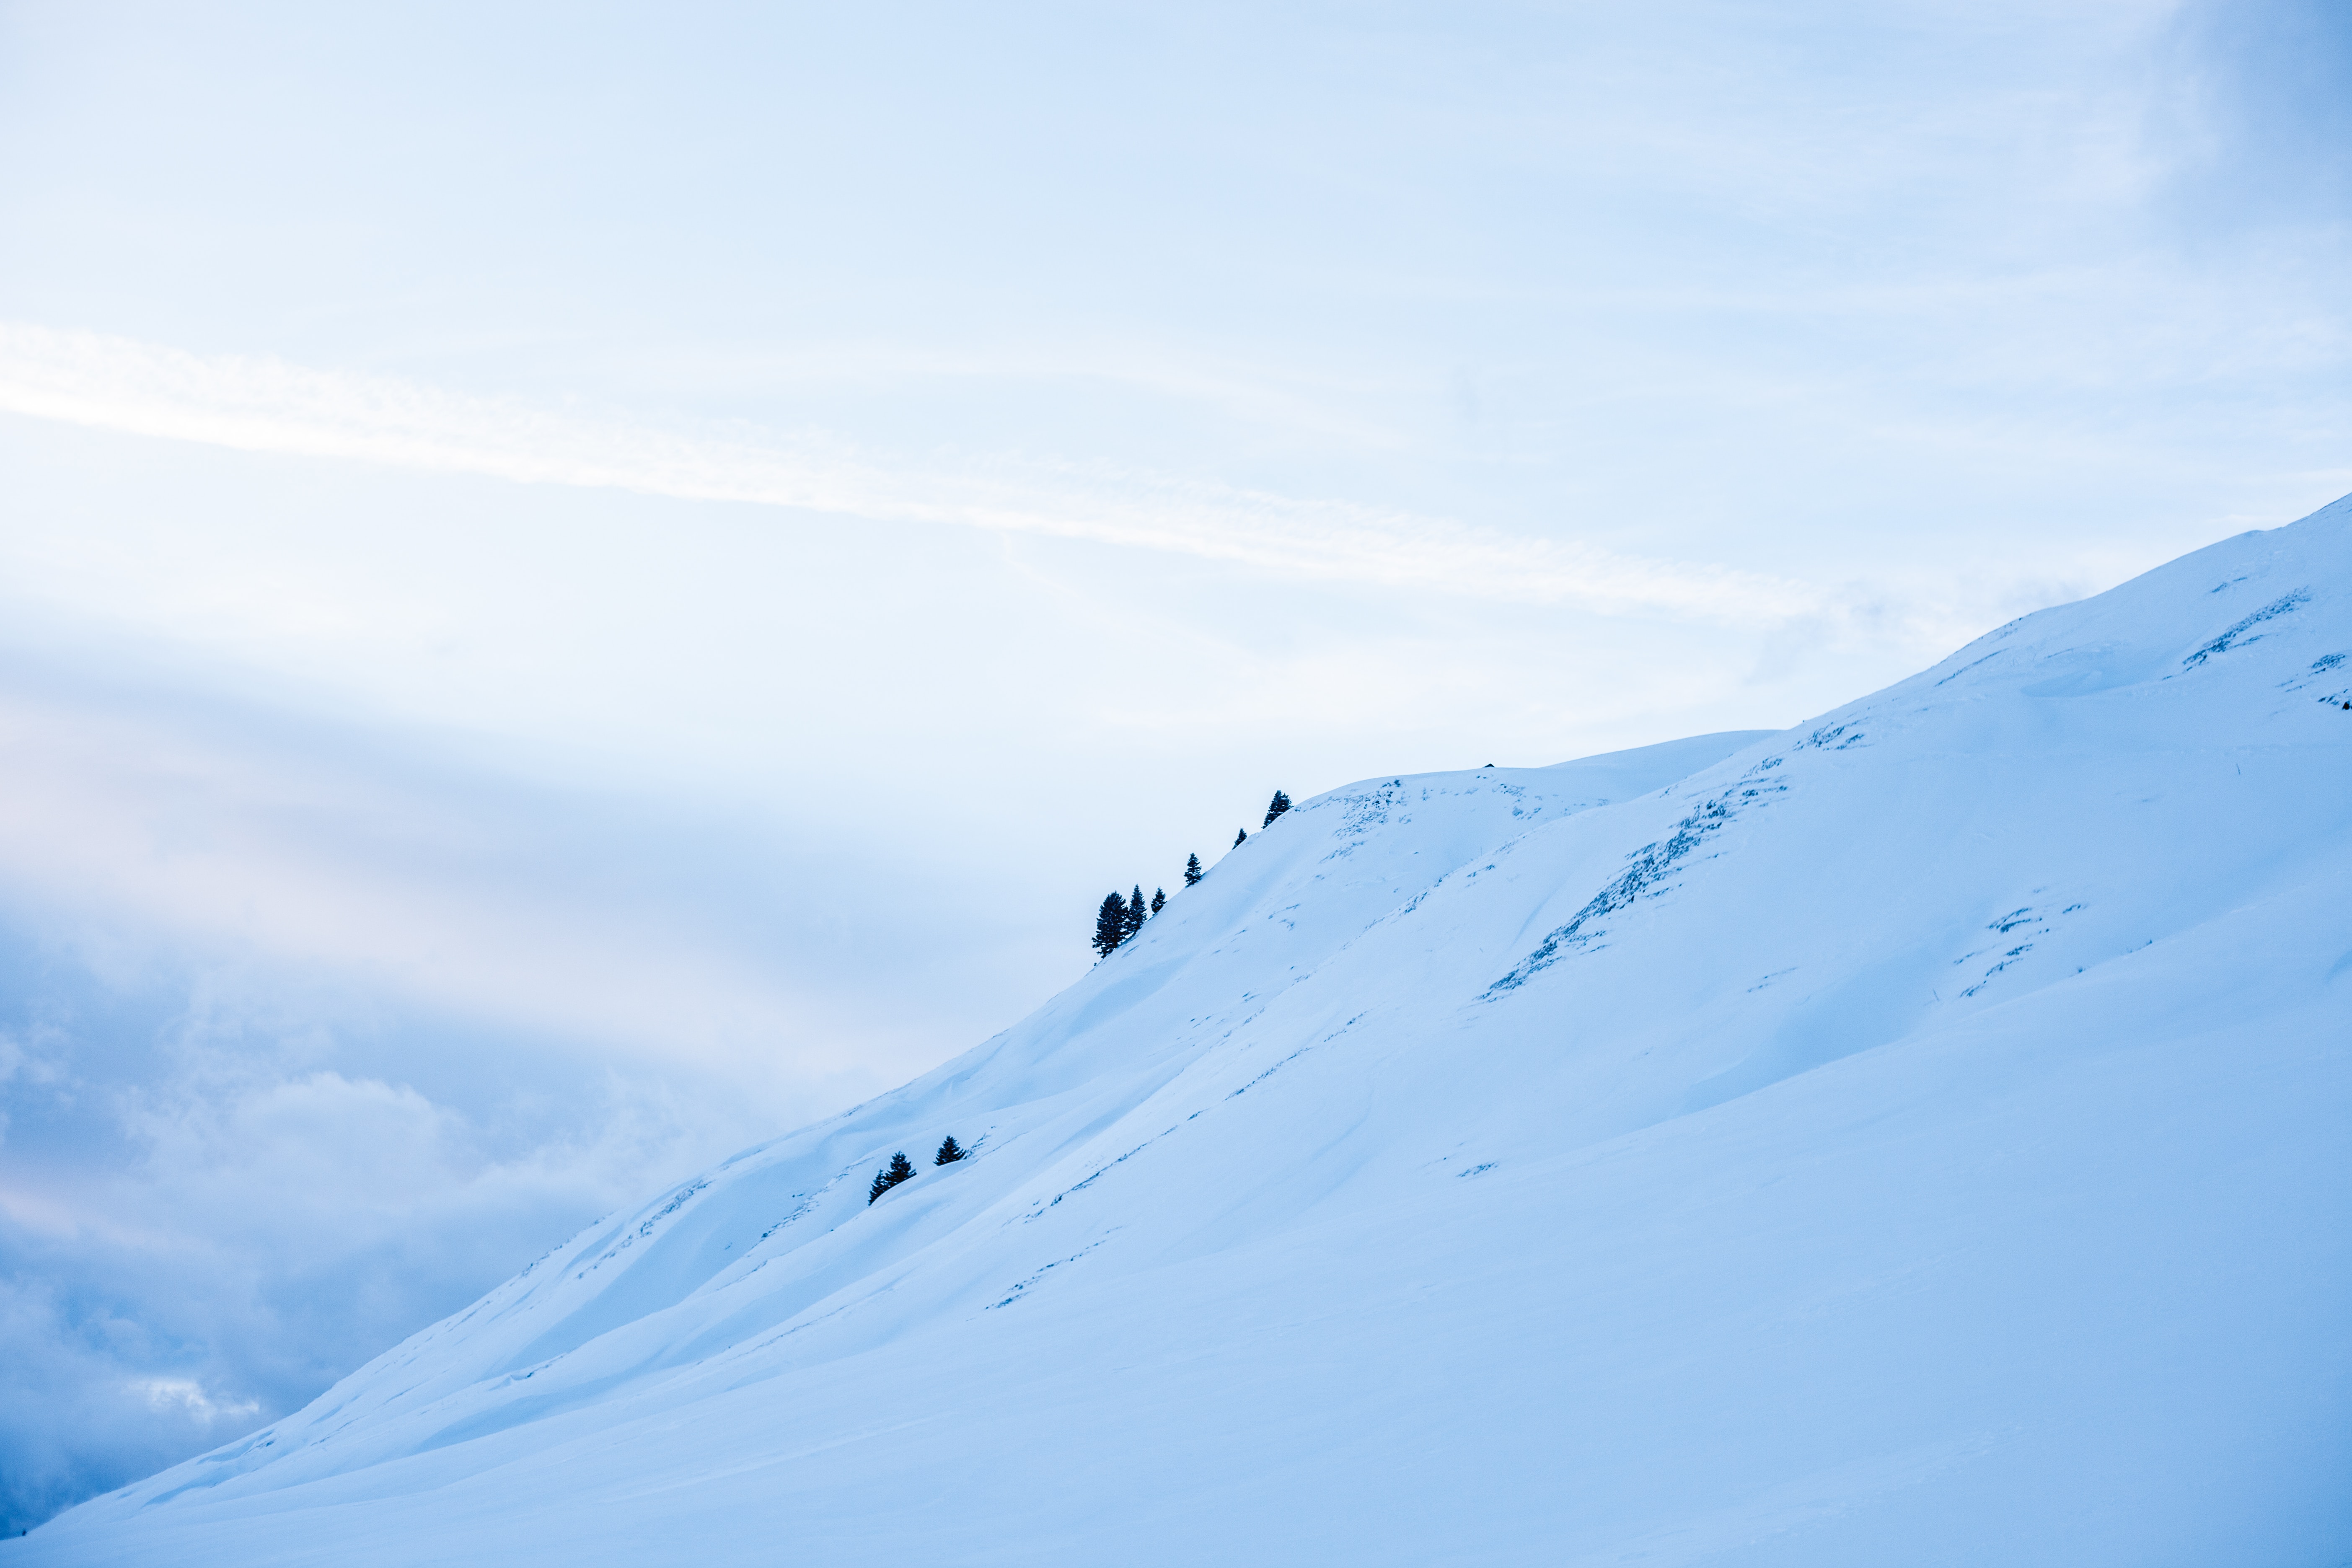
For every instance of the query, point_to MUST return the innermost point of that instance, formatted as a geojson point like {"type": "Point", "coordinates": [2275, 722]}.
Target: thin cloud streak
{"type": "Point", "coordinates": [268, 405]}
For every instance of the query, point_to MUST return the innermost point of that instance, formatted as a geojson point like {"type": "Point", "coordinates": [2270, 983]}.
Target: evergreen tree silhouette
{"type": "Point", "coordinates": [1158, 900]}
{"type": "Point", "coordinates": [948, 1153]}
{"type": "Point", "coordinates": [1193, 872]}
{"type": "Point", "coordinates": [1136, 910]}
{"type": "Point", "coordinates": [899, 1169]}
{"type": "Point", "coordinates": [1110, 925]}
{"type": "Point", "coordinates": [1241, 837]}
{"type": "Point", "coordinates": [1281, 804]}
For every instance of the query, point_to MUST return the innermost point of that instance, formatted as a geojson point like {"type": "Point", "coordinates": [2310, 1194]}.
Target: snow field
{"type": "Point", "coordinates": [1914, 1136]}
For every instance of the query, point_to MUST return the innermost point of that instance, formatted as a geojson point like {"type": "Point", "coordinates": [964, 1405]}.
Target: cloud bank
{"type": "Point", "coordinates": [309, 1036]}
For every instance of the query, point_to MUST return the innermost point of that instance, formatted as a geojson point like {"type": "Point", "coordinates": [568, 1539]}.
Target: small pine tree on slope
{"type": "Point", "coordinates": [1193, 872]}
{"type": "Point", "coordinates": [1136, 910]}
{"type": "Point", "coordinates": [899, 1169]}
{"type": "Point", "coordinates": [1241, 837]}
{"type": "Point", "coordinates": [1110, 925]}
{"type": "Point", "coordinates": [1158, 900]}
{"type": "Point", "coordinates": [949, 1153]}
{"type": "Point", "coordinates": [1280, 804]}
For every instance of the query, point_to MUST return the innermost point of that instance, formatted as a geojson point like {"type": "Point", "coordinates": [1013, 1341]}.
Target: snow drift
{"type": "Point", "coordinates": [1922, 1136]}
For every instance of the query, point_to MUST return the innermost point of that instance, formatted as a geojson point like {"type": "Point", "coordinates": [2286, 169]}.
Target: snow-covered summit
{"type": "Point", "coordinates": [1919, 1136]}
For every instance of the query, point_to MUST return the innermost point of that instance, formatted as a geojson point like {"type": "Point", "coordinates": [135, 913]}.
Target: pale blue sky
{"type": "Point", "coordinates": [579, 583]}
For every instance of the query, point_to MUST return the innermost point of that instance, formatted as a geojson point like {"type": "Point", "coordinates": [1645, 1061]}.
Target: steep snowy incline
{"type": "Point", "coordinates": [1920, 1137]}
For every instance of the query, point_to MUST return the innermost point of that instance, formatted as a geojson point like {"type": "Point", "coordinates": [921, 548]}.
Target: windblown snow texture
{"type": "Point", "coordinates": [1918, 1137]}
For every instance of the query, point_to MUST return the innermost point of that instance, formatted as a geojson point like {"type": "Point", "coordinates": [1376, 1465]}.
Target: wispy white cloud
{"type": "Point", "coordinates": [186, 1394]}
{"type": "Point", "coordinates": [268, 406]}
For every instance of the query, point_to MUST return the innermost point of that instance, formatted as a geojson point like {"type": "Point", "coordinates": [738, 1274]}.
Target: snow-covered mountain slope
{"type": "Point", "coordinates": [1924, 1136]}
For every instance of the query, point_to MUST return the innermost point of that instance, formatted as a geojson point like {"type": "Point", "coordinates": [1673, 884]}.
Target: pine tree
{"type": "Point", "coordinates": [899, 1169]}
{"type": "Point", "coordinates": [1241, 837]}
{"type": "Point", "coordinates": [1193, 872]}
{"type": "Point", "coordinates": [1110, 925]}
{"type": "Point", "coordinates": [1280, 805]}
{"type": "Point", "coordinates": [948, 1153]}
{"type": "Point", "coordinates": [1158, 900]}
{"type": "Point", "coordinates": [1136, 910]}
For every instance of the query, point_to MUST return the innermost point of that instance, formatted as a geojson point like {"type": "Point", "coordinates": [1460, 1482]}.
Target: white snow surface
{"type": "Point", "coordinates": [1923, 1136]}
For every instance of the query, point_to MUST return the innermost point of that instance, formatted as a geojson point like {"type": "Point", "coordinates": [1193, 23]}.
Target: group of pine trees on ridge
{"type": "Point", "coordinates": [1120, 917]}
{"type": "Point", "coordinates": [900, 1169]}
